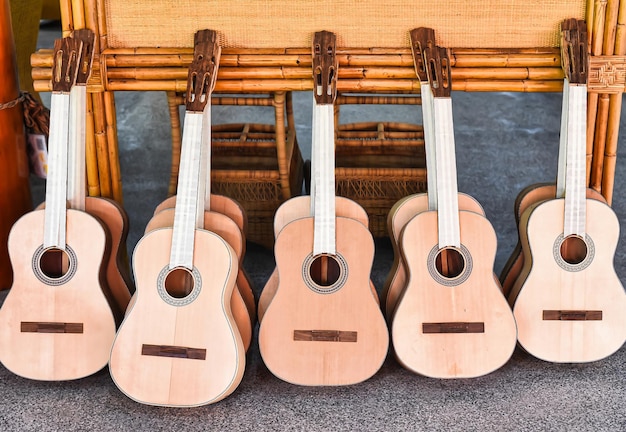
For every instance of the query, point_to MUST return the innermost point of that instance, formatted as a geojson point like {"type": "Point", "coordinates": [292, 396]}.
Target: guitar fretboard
{"type": "Point", "coordinates": [576, 173]}
{"type": "Point", "coordinates": [189, 211]}
{"type": "Point", "coordinates": [323, 173]}
{"type": "Point", "coordinates": [430, 145]}
{"type": "Point", "coordinates": [76, 174]}
{"type": "Point", "coordinates": [447, 190]}
{"type": "Point", "coordinates": [56, 183]}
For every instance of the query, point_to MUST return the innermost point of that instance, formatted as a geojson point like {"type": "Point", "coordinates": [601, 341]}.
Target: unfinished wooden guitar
{"type": "Point", "coordinates": [56, 323]}
{"type": "Point", "coordinates": [568, 302]}
{"type": "Point", "coordinates": [406, 208]}
{"type": "Point", "coordinates": [323, 325]}
{"type": "Point", "coordinates": [179, 344]}
{"type": "Point", "coordinates": [452, 320]}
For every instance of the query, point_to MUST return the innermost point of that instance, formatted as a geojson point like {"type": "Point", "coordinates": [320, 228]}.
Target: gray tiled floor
{"type": "Point", "coordinates": [504, 142]}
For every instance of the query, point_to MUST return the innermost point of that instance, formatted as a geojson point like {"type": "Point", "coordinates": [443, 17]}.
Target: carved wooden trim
{"type": "Point", "coordinates": [50, 327]}
{"type": "Point", "coordinates": [324, 336]}
{"type": "Point", "coordinates": [173, 351]}
{"type": "Point", "coordinates": [572, 315]}
{"type": "Point", "coordinates": [607, 74]}
{"type": "Point", "coordinates": [453, 327]}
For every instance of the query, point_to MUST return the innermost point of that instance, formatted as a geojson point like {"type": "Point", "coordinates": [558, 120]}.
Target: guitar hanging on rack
{"type": "Point", "coordinates": [568, 302]}
{"type": "Point", "coordinates": [401, 213]}
{"type": "Point", "coordinates": [323, 325]}
{"type": "Point", "coordinates": [56, 323]}
{"type": "Point", "coordinates": [452, 320]}
{"type": "Point", "coordinates": [179, 344]}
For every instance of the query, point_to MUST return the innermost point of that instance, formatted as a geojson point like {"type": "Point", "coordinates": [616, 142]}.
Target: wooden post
{"type": "Point", "coordinates": [15, 199]}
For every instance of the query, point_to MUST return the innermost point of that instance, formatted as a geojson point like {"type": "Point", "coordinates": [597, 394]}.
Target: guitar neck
{"type": "Point", "coordinates": [204, 191]}
{"type": "Point", "coordinates": [576, 173]}
{"type": "Point", "coordinates": [447, 190]}
{"type": "Point", "coordinates": [430, 146]}
{"type": "Point", "coordinates": [189, 211]}
{"type": "Point", "coordinates": [562, 162]}
{"type": "Point", "coordinates": [76, 175]}
{"type": "Point", "coordinates": [56, 193]}
{"type": "Point", "coordinates": [324, 178]}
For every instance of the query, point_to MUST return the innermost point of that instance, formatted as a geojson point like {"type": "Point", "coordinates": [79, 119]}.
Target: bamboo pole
{"type": "Point", "coordinates": [112, 146]}
{"type": "Point", "coordinates": [615, 110]}
{"type": "Point", "coordinates": [281, 152]}
{"type": "Point", "coordinates": [102, 150]}
{"type": "Point", "coordinates": [91, 159]}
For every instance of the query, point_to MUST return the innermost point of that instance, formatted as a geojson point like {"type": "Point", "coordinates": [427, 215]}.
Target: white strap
{"type": "Point", "coordinates": [56, 183]}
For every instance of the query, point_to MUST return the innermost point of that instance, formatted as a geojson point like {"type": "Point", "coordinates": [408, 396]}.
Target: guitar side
{"type": "Point", "coordinates": [452, 328]}
{"type": "Point", "coordinates": [180, 353]}
{"type": "Point", "coordinates": [569, 312]}
{"type": "Point", "coordinates": [334, 338]}
{"type": "Point", "coordinates": [59, 329]}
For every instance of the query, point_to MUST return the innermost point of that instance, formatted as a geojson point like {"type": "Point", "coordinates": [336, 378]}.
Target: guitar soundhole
{"type": "Point", "coordinates": [54, 263]}
{"type": "Point", "coordinates": [325, 274]}
{"type": "Point", "coordinates": [325, 271]}
{"type": "Point", "coordinates": [179, 283]}
{"type": "Point", "coordinates": [573, 250]}
{"type": "Point", "coordinates": [449, 263]}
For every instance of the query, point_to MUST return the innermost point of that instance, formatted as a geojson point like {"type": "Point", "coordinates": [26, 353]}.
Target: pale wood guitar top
{"type": "Point", "coordinates": [399, 215]}
{"type": "Point", "coordinates": [115, 221]}
{"type": "Point", "coordinates": [79, 301]}
{"type": "Point", "coordinates": [350, 310]}
{"type": "Point", "coordinates": [529, 196]}
{"type": "Point", "coordinates": [231, 208]}
{"type": "Point", "coordinates": [473, 297]}
{"type": "Point", "coordinates": [545, 284]}
{"type": "Point", "coordinates": [204, 323]}
{"type": "Point", "coordinates": [227, 229]}
{"type": "Point", "coordinates": [298, 208]}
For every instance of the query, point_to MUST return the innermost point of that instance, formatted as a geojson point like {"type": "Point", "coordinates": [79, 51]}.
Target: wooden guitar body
{"type": "Point", "coordinates": [57, 328]}
{"type": "Point", "coordinates": [324, 335]}
{"type": "Point", "coordinates": [399, 215]}
{"type": "Point", "coordinates": [297, 208]}
{"type": "Point", "coordinates": [569, 311]}
{"type": "Point", "coordinates": [229, 231]}
{"type": "Point", "coordinates": [530, 196]}
{"type": "Point", "coordinates": [182, 351]}
{"type": "Point", "coordinates": [231, 208]}
{"type": "Point", "coordinates": [457, 327]}
{"type": "Point", "coordinates": [115, 220]}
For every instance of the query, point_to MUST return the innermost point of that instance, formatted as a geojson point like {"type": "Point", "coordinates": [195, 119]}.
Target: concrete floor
{"type": "Point", "coordinates": [504, 142]}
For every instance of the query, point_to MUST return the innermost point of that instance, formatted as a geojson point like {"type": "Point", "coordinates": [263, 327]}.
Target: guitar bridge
{"type": "Point", "coordinates": [324, 336]}
{"type": "Point", "coordinates": [572, 315]}
{"type": "Point", "coordinates": [50, 327]}
{"type": "Point", "coordinates": [173, 351]}
{"type": "Point", "coordinates": [453, 327]}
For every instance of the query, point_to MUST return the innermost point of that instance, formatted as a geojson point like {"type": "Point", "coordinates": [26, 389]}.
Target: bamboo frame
{"type": "Point", "coordinates": [361, 70]}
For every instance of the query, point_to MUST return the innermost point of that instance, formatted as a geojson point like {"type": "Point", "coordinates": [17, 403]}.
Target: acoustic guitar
{"type": "Point", "coordinates": [108, 212]}
{"type": "Point", "coordinates": [179, 344]}
{"type": "Point", "coordinates": [399, 215]}
{"type": "Point", "coordinates": [56, 323]}
{"type": "Point", "coordinates": [225, 227]}
{"type": "Point", "coordinates": [451, 320]}
{"type": "Point", "coordinates": [568, 302]}
{"type": "Point", "coordinates": [323, 325]}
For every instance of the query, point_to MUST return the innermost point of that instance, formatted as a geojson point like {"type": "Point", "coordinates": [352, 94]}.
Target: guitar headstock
{"type": "Point", "coordinates": [85, 55]}
{"type": "Point", "coordinates": [203, 70]}
{"type": "Point", "coordinates": [325, 65]}
{"type": "Point", "coordinates": [65, 64]}
{"type": "Point", "coordinates": [438, 64]}
{"type": "Point", "coordinates": [574, 50]}
{"type": "Point", "coordinates": [422, 38]}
